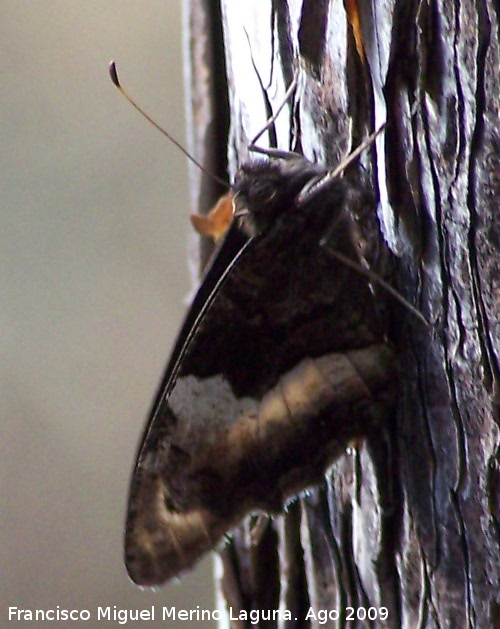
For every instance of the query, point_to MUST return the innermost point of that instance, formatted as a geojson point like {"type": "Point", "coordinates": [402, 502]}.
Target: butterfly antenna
{"type": "Point", "coordinates": [113, 73]}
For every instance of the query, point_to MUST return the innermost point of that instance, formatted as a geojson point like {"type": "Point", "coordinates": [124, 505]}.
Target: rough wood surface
{"type": "Point", "coordinates": [409, 519]}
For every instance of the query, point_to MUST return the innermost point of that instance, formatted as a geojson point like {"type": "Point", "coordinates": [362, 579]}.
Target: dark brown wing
{"type": "Point", "coordinates": [278, 366]}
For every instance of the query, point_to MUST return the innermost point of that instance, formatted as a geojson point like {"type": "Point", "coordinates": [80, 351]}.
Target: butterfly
{"type": "Point", "coordinates": [281, 362]}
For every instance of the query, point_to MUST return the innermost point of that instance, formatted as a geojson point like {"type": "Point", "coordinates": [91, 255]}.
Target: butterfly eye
{"type": "Point", "coordinates": [263, 192]}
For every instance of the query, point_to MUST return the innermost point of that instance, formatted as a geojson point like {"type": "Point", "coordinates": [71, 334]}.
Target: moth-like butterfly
{"type": "Point", "coordinates": [280, 363]}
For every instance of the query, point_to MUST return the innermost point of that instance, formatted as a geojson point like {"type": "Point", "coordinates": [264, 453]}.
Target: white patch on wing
{"type": "Point", "coordinates": [207, 406]}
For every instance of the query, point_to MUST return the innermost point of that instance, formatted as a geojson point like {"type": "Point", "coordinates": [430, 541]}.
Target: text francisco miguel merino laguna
{"type": "Point", "coordinates": [123, 616]}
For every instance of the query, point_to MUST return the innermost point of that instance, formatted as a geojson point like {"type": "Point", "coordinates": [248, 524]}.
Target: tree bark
{"type": "Point", "coordinates": [409, 518]}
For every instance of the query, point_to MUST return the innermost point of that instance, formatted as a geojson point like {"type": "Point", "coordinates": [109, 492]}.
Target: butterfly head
{"type": "Point", "coordinates": [266, 190]}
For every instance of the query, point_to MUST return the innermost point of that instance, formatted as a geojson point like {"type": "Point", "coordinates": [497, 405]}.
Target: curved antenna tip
{"type": "Point", "coordinates": [113, 73]}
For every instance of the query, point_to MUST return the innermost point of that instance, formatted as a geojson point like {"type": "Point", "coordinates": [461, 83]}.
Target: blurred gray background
{"type": "Point", "coordinates": [94, 225]}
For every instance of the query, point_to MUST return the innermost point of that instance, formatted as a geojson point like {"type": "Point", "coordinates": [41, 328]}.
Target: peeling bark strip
{"type": "Point", "coordinates": [410, 519]}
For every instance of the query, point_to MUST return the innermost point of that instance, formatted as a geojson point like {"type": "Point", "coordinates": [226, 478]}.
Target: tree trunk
{"type": "Point", "coordinates": [409, 518]}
